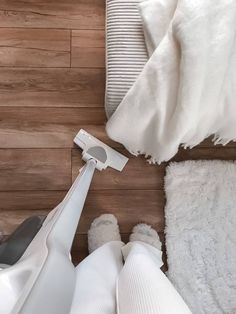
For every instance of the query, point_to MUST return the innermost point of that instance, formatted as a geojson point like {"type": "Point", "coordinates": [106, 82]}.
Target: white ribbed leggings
{"type": "Point", "coordinates": [107, 285]}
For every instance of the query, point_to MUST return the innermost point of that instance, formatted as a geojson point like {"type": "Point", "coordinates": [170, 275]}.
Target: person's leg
{"type": "Point", "coordinates": [141, 286]}
{"type": "Point", "coordinates": [96, 275]}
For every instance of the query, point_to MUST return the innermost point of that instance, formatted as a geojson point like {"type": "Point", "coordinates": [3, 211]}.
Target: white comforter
{"type": "Point", "coordinates": [187, 89]}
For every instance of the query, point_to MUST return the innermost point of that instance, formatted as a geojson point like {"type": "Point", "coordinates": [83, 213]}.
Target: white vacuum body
{"type": "Point", "coordinates": [43, 279]}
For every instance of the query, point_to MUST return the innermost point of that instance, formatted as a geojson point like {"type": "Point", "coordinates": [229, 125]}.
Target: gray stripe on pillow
{"type": "Point", "coordinates": [126, 52]}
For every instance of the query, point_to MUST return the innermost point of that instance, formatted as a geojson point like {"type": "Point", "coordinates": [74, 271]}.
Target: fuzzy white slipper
{"type": "Point", "coordinates": [102, 230]}
{"type": "Point", "coordinates": [145, 233]}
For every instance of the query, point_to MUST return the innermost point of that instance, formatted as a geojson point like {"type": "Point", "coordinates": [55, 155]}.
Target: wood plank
{"type": "Point", "coordinates": [70, 14]}
{"type": "Point", "coordinates": [52, 87]}
{"type": "Point", "coordinates": [101, 134]}
{"type": "Point", "coordinates": [209, 153]}
{"type": "Point", "coordinates": [209, 143]}
{"type": "Point", "coordinates": [205, 144]}
{"type": "Point", "coordinates": [130, 208]}
{"type": "Point", "coordinates": [16, 206]}
{"type": "Point", "coordinates": [88, 48]}
{"type": "Point", "coordinates": [138, 174]}
{"type": "Point", "coordinates": [45, 127]}
{"type": "Point", "coordinates": [80, 248]}
{"type": "Point", "coordinates": [33, 201]}
{"type": "Point", "coordinates": [34, 47]}
{"type": "Point", "coordinates": [10, 220]}
{"type": "Point", "coordinates": [35, 169]}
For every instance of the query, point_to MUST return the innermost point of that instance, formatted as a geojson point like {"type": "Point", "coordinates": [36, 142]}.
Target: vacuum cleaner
{"type": "Point", "coordinates": [37, 275]}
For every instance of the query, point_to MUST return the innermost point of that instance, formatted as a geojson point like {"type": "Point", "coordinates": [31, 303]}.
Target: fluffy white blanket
{"type": "Point", "coordinates": [187, 90]}
{"type": "Point", "coordinates": [200, 234]}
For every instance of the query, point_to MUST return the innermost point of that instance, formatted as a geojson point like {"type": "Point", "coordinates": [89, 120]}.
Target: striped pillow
{"type": "Point", "coordinates": [126, 52]}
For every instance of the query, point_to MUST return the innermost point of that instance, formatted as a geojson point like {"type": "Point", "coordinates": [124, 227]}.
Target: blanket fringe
{"type": "Point", "coordinates": [217, 140]}
{"type": "Point", "coordinates": [148, 157]}
{"type": "Point", "coordinates": [222, 141]}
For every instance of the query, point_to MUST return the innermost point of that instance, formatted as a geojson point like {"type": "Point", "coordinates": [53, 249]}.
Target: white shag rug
{"type": "Point", "coordinates": [201, 234]}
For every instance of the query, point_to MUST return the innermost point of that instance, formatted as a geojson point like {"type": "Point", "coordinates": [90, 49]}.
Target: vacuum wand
{"type": "Point", "coordinates": [97, 155]}
{"type": "Point", "coordinates": [45, 268]}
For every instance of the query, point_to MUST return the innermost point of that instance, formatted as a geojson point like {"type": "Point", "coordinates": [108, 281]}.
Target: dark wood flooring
{"type": "Point", "coordinates": [52, 82]}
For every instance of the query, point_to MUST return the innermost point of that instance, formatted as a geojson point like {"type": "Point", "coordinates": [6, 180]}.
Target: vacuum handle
{"type": "Point", "coordinates": [66, 219]}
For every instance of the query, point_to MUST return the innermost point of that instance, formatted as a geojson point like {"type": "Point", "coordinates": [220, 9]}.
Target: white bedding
{"type": "Point", "coordinates": [187, 89]}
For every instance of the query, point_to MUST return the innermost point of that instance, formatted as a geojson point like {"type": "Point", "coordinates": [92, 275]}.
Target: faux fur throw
{"type": "Point", "coordinates": [187, 90]}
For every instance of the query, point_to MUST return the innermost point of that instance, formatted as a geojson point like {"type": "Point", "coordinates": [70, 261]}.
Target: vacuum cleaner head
{"type": "Point", "coordinates": [104, 155]}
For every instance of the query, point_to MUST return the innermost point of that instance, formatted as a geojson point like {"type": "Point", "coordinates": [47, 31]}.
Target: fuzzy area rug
{"type": "Point", "coordinates": [201, 234]}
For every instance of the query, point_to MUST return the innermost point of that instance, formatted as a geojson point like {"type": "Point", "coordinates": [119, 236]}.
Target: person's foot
{"type": "Point", "coordinates": [102, 230]}
{"type": "Point", "coordinates": [145, 233]}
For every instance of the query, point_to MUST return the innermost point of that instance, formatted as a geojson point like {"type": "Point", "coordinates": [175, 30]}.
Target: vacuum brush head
{"type": "Point", "coordinates": [104, 155]}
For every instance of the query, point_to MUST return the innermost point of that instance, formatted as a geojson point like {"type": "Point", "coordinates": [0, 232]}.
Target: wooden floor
{"type": "Point", "coordinates": [51, 85]}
